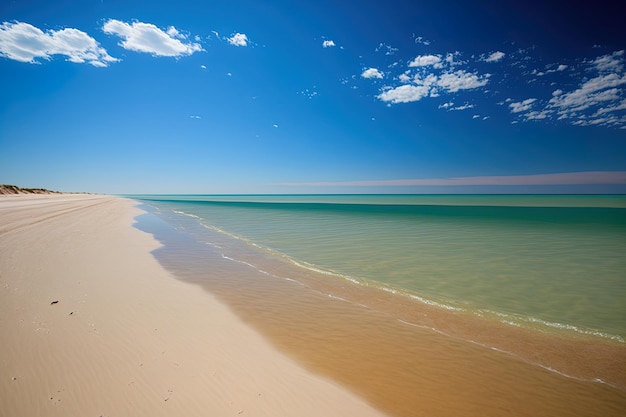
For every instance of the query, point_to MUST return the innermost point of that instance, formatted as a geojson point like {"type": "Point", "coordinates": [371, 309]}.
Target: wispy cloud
{"type": "Point", "coordinates": [617, 107]}
{"type": "Point", "coordinates": [597, 100]}
{"type": "Point", "coordinates": [521, 106]}
{"type": "Point", "coordinates": [372, 73]}
{"type": "Point", "coordinates": [567, 178]}
{"type": "Point", "coordinates": [389, 50]}
{"type": "Point", "coordinates": [421, 40]}
{"type": "Point", "coordinates": [146, 37]}
{"type": "Point", "coordinates": [610, 63]}
{"type": "Point", "coordinates": [451, 107]}
{"type": "Point", "coordinates": [591, 93]}
{"type": "Point", "coordinates": [26, 43]}
{"type": "Point", "coordinates": [238, 39]}
{"type": "Point", "coordinates": [550, 70]}
{"type": "Point", "coordinates": [465, 106]}
{"type": "Point", "coordinates": [328, 44]}
{"type": "Point", "coordinates": [309, 92]}
{"type": "Point", "coordinates": [495, 56]}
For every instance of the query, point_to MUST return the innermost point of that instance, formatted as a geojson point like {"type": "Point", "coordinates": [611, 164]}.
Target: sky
{"type": "Point", "coordinates": [225, 97]}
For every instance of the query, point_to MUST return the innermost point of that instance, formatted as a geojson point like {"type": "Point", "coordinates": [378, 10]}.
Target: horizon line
{"type": "Point", "coordinates": [564, 178]}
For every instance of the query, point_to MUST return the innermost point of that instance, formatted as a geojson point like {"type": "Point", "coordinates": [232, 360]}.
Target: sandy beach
{"type": "Point", "coordinates": [92, 325]}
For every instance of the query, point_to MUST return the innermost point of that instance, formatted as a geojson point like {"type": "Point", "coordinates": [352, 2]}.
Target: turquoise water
{"type": "Point", "coordinates": [549, 262]}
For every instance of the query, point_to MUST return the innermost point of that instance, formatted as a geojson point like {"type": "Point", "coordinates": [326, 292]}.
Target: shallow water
{"type": "Point", "coordinates": [524, 260]}
{"type": "Point", "coordinates": [420, 350]}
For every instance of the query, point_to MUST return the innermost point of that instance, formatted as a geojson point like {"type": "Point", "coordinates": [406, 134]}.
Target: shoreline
{"type": "Point", "coordinates": [91, 324]}
{"type": "Point", "coordinates": [394, 357]}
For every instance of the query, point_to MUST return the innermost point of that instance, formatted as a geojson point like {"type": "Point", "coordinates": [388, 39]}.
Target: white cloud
{"type": "Point", "coordinates": [461, 80]}
{"type": "Point", "coordinates": [275, 126]}
{"type": "Point", "coordinates": [372, 73]}
{"type": "Point", "coordinates": [586, 122]}
{"type": "Point", "coordinates": [495, 57]}
{"type": "Point", "coordinates": [598, 98]}
{"type": "Point", "coordinates": [25, 43]}
{"type": "Point", "coordinates": [146, 37]}
{"type": "Point", "coordinates": [195, 117]}
{"type": "Point", "coordinates": [173, 32]}
{"type": "Point", "coordinates": [560, 68]}
{"type": "Point", "coordinates": [463, 107]}
{"type": "Point", "coordinates": [522, 106]}
{"type": "Point", "coordinates": [404, 77]}
{"type": "Point", "coordinates": [617, 107]}
{"type": "Point", "coordinates": [420, 39]}
{"type": "Point", "coordinates": [589, 93]}
{"type": "Point", "coordinates": [450, 59]}
{"type": "Point", "coordinates": [404, 94]}
{"type": "Point", "coordinates": [431, 81]}
{"type": "Point", "coordinates": [597, 101]}
{"type": "Point", "coordinates": [238, 39]}
{"type": "Point", "coordinates": [537, 115]}
{"type": "Point", "coordinates": [426, 60]}
{"type": "Point", "coordinates": [328, 44]}
{"type": "Point", "coordinates": [610, 63]}
{"type": "Point", "coordinates": [428, 80]}
{"type": "Point", "coordinates": [203, 66]}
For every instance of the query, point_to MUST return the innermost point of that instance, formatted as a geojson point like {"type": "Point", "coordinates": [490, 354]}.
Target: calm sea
{"type": "Point", "coordinates": [550, 263]}
{"type": "Point", "coordinates": [424, 305]}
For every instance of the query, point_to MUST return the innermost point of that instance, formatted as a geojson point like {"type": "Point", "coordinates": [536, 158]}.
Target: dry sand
{"type": "Point", "coordinates": [92, 325]}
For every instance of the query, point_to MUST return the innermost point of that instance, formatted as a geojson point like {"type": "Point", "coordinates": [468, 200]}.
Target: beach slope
{"type": "Point", "coordinates": [92, 325]}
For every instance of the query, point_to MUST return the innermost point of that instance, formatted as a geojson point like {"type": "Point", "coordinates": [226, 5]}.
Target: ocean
{"type": "Point", "coordinates": [534, 276]}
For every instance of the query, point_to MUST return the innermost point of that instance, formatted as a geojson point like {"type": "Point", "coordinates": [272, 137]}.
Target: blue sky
{"type": "Point", "coordinates": [325, 97]}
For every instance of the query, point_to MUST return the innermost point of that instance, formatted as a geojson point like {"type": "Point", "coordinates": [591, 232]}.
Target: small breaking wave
{"type": "Point", "coordinates": [187, 214]}
{"type": "Point", "coordinates": [520, 321]}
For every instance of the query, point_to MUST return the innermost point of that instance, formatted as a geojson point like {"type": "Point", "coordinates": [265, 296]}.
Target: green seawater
{"type": "Point", "coordinates": [529, 260]}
